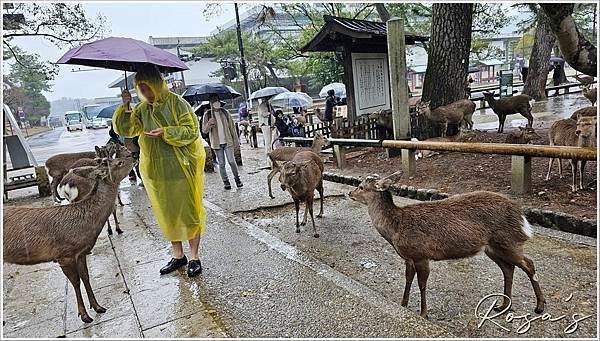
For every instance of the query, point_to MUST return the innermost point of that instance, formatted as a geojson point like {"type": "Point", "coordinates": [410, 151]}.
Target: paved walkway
{"type": "Point", "coordinates": [256, 282]}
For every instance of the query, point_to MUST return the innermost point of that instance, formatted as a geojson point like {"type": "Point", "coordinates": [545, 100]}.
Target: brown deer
{"type": "Point", "coordinates": [505, 106]}
{"type": "Point", "coordinates": [459, 112]}
{"type": "Point", "coordinates": [65, 234]}
{"type": "Point", "coordinates": [570, 132]}
{"type": "Point", "coordinates": [458, 227]}
{"type": "Point", "coordinates": [522, 136]}
{"type": "Point", "coordinates": [284, 154]}
{"type": "Point", "coordinates": [301, 176]}
{"type": "Point", "coordinates": [58, 165]}
{"type": "Point", "coordinates": [590, 93]}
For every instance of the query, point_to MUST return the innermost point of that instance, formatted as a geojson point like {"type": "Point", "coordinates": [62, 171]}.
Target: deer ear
{"type": "Point", "coordinates": [383, 184]}
{"type": "Point", "coordinates": [83, 171]}
{"type": "Point", "coordinates": [97, 149]}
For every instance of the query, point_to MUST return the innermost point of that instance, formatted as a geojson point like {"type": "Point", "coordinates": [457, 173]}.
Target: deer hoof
{"type": "Point", "coordinates": [86, 318]}
{"type": "Point", "coordinates": [119, 231]}
{"type": "Point", "coordinates": [298, 230]}
{"type": "Point", "coordinates": [540, 308]}
{"type": "Point", "coordinates": [271, 196]}
{"type": "Point", "coordinates": [316, 235]}
{"type": "Point", "coordinates": [319, 216]}
{"type": "Point", "coordinates": [302, 224]}
{"type": "Point", "coordinates": [425, 316]}
{"type": "Point", "coordinates": [110, 232]}
{"type": "Point", "coordinates": [502, 308]}
{"type": "Point", "coordinates": [99, 309]}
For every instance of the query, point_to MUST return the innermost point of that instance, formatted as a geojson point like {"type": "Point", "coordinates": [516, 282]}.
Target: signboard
{"type": "Point", "coordinates": [506, 83]}
{"type": "Point", "coordinates": [371, 82]}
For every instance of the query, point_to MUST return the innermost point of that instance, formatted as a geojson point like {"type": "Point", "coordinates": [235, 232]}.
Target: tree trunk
{"type": "Point", "coordinates": [448, 57]}
{"type": "Point", "coordinates": [535, 84]}
{"type": "Point", "coordinates": [576, 49]}
{"type": "Point", "coordinates": [384, 14]}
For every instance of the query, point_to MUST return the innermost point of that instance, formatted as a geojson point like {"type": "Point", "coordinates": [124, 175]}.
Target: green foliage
{"type": "Point", "coordinates": [584, 15]}
{"type": "Point", "coordinates": [417, 16]}
{"type": "Point", "coordinates": [525, 44]}
{"type": "Point", "coordinates": [26, 82]}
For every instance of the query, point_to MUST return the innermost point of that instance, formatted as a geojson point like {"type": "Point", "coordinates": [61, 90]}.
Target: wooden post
{"type": "Point", "coordinates": [409, 164]}
{"type": "Point", "coordinates": [398, 85]}
{"type": "Point", "coordinates": [349, 73]}
{"type": "Point", "coordinates": [340, 156]}
{"type": "Point", "coordinates": [521, 174]}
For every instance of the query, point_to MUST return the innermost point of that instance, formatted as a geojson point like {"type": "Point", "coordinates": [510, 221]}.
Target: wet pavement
{"type": "Point", "coordinates": [261, 279]}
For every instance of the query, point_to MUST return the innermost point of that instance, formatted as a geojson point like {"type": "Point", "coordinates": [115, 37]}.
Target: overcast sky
{"type": "Point", "coordinates": [133, 20]}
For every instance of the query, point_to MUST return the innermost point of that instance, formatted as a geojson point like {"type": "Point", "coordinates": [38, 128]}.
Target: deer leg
{"type": "Point", "coordinates": [549, 168]}
{"type": "Point", "coordinates": [297, 206]}
{"type": "Point", "coordinates": [82, 269]}
{"type": "Point", "coordinates": [53, 187]}
{"type": "Point", "coordinates": [109, 230]}
{"type": "Point", "coordinates": [114, 213]}
{"type": "Point", "coordinates": [574, 170]}
{"type": "Point", "coordinates": [309, 204]}
{"type": "Point", "coordinates": [119, 198]}
{"type": "Point", "coordinates": [501, 119]}
{"type": "Point", "coordinates": [409, 274]}
{"type": "Point", "coordinates": [422, 268]}
{"type": "Point", "coordinates": [527, 265]}
{"type": "Point", "coordinates": [69, 268]}
{"type": "Point", "coordinates": [581, 173]}
{"type": "Point", "coordinates": [320, 189]}
{"type": "Point", "coordinates": [303, 223]}
{"type": "Point", "coordinates": [529, 118]}
{"type": "Point", "coordinates": [444, 128]}
{"type": "Point", "coordinates": [508, 272]}
{"type": "Point", "coordinates": [274, 171]}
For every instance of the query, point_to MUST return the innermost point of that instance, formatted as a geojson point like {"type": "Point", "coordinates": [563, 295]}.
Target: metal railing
{"type": "Point", "coordinates": [521, 154]}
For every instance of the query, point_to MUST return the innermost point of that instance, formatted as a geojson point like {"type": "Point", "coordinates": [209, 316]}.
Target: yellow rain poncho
{"type": "Point", "coordinates": [172, 166]}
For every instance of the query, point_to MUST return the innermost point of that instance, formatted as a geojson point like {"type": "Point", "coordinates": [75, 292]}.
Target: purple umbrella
{"type": "Point", "coordinates": [124, 54]}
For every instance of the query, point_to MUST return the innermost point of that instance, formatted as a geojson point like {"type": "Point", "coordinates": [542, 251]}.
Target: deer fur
{"type": "Point", "coordinates": [459, 112]}
{"type": "Point", "coordinates": [570, 132]}
{"type": "Point", "coordinates": [65, 234]}
{"type": "Point", "coordinates": [522, 136]}
{"type": "Point", "coordinates": [584, 79]}
{"type": "Point", "coordinates": [284, 154]}
{"type": "Point", "coordinates": [244, 127]}
{"type": "Point", "coordinates": [301, 176]}
{"type": "Point", "coordinates": [505, 106]}
{"type": "Point", "coordinates": [587, 111]}
{"type": "Point", "coordinates": [590, 93]}
{"type": "Point", "coordinates": [458, 227]}
{"type": "Point", "coordinates": [58, 165]}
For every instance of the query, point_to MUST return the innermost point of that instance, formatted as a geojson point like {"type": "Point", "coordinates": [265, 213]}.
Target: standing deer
{"type": "Point", "coordinates": [65, 234]}
{"type": "Point", "coordinates": [458, 227]}
{"type": "Point", "coordinates": [505, 106]}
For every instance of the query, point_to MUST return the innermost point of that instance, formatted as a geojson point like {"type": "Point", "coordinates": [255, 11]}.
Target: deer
{"type": "Point", "coordinates": [284, 154]}
{"type": "Point", "coordinates": [570, 132]}
{"type": "Point", "coordinates": [65, 234]}
{"type": "Point", "coordinates": [522, 136]}
{"type": "Point", "coordinates": [301, 176]}
{"type": "Point", "coordinates": [505, 106]}
{"type": "Point", "coordinates": [67, 186]}
{"type": "Point", "coordinates": [459, 112]}
{"type": "Point", "coordinates": [585, 79]}
{"type": "Point", "coordinates": [458, 227]}
{"type": "Point", "coordinates": [590, 93]}
{"type": "Point", "coordinates": [58, 165]}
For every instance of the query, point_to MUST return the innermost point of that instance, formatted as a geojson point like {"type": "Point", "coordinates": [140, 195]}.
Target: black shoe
{"type": "Point", "coordinates": [173, 264]}
{"type": "Point", "coordinates": [238, 182]}
{"type": "Point", "coordinates": [194, 268]}
{"type": "Point", "coordinates": [227, 184]}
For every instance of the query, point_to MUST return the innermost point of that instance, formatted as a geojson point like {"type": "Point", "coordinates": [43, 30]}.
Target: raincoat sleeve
{"type": "Point", "coordinates": [186, 130]}
{"type": "Point", "coordinates": [127, 124]}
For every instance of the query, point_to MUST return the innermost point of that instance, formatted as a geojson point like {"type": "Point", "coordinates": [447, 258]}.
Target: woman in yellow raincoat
{"type": "Point", "coordinates": [171, 162]}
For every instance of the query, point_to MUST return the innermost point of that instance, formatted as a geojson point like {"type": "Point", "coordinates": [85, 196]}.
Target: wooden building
{"type": "Point", "coordinates": [363, 45]}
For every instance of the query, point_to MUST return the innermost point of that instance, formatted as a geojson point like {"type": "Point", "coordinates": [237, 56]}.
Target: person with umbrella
{"type": "Point", "coordinates": [330, 102]}
{"type": "Point", "coordinates": [223, 138]}
{"type": "Point", "coordinates": [171, 162]}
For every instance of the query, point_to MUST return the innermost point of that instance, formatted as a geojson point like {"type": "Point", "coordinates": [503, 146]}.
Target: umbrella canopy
{"type": "Point", "coordinates": [291, 100]}
{"type": "Point", "coordinates": [205, 104]}
{"type": "Point", "coordinates": [123, 54]}
{"type": "Point", "coordinates": [268, 92]}
{"type": "Point", "coordinates": [339, 88]}
{"type": "Point", "coordinates": [107, 112]}
{"type": "Point", "coordinates": [202, 92]}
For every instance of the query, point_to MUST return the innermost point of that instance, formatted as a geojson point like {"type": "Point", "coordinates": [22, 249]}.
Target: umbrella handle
{"type": "Point", "coordinates": [127, 107]}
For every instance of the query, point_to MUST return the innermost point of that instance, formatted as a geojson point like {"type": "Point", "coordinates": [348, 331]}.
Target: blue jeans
{"type": "Point", "coordinates": [226, 151]}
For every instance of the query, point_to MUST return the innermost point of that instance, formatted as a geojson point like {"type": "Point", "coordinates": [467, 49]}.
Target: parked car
{"type": "Point", "coordinates": [74, 125]}
{"type": "Point", "coordinates": [99, 123]}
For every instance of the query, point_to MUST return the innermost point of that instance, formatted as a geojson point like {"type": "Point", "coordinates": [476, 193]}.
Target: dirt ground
{"type": "Point", "coordinates": [455, 173]}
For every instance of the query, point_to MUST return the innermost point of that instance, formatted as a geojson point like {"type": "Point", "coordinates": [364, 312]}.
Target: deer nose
{"type": "Point", "coordinates": [283, 187]}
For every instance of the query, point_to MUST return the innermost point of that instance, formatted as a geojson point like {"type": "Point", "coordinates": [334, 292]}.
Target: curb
{"type": "Point", "coordinates": [553, 220]}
